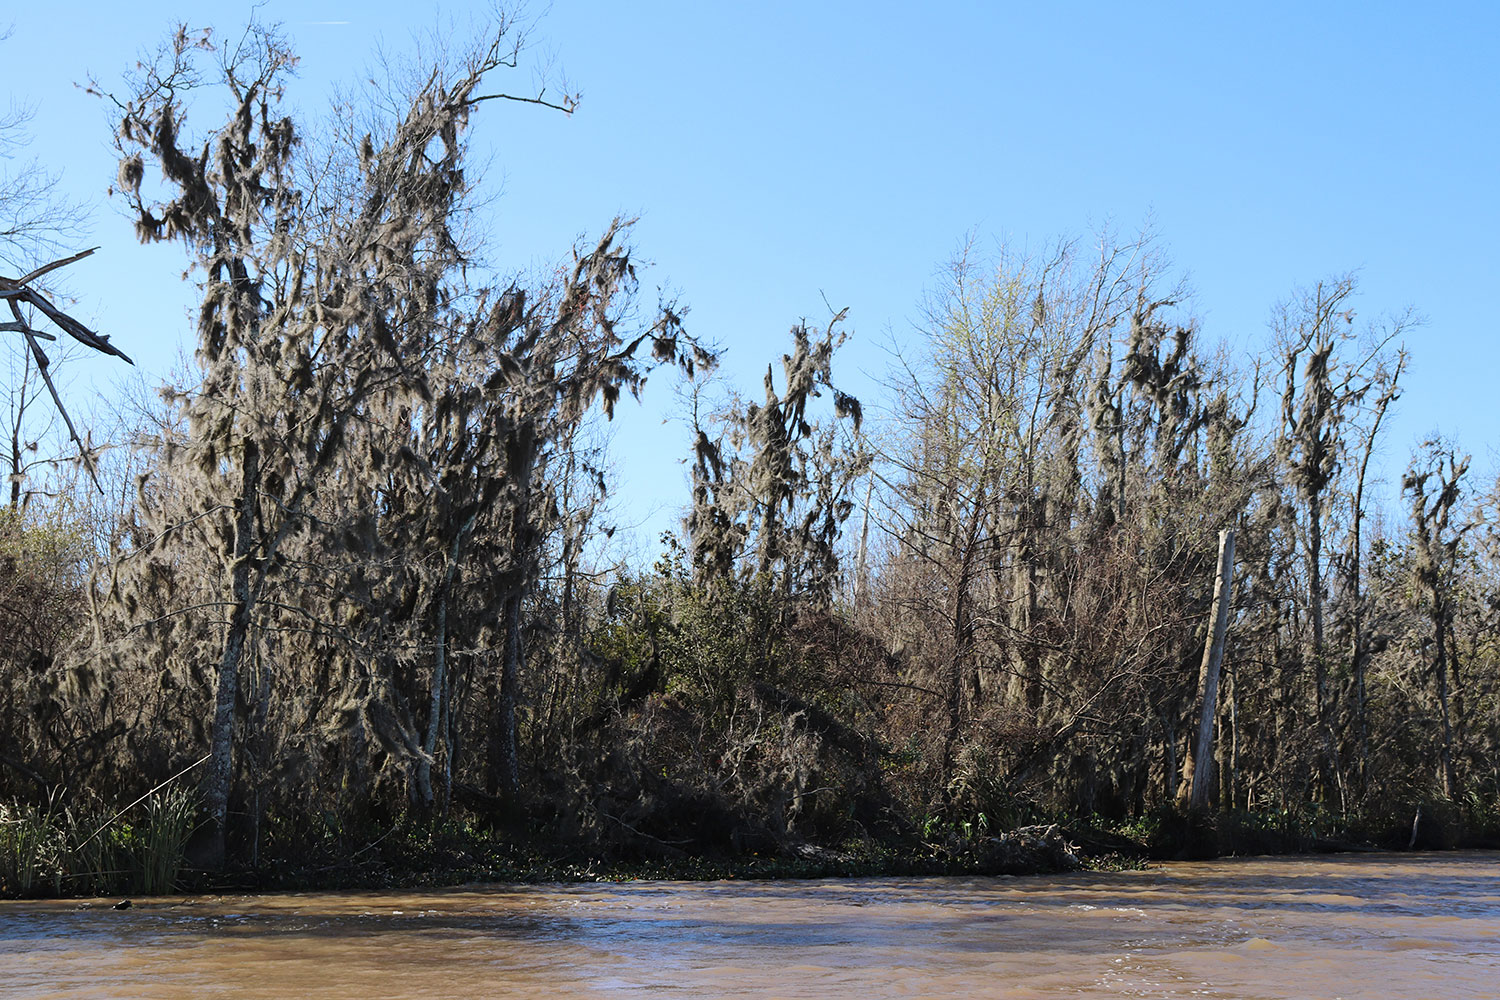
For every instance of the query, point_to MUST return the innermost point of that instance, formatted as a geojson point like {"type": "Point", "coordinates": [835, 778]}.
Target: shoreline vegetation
{"type": "Point", "coordinates": [346, 605]}
{"type": "Point", "coordinates": [39, 857]}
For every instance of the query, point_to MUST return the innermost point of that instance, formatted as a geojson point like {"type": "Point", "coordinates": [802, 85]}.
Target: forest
{"type": "Point", "coordinates": [344, 595]}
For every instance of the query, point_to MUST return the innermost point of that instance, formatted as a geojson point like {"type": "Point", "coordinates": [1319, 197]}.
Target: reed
{"type": "Point", "coordinates": [162, 845]}
{"type": "Point", "coordinates": [95, 865]}
{"type": "Point", "coordinates": [83, 850]}
{"type": "Point", "coordinates": [31, 849]}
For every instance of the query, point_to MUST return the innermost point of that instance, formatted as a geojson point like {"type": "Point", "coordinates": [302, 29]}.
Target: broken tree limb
{"type": "Point", "coordinates": [43, 363]}
{"type": "Point", "coordinates": [49, 268]}
{"type": "Point", "coordinates": [23, 328]}
{"type": "Point", "coordinates": [15, 291]}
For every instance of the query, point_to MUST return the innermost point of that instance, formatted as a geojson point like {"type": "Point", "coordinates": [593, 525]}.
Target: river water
{"type": "Point", "coordinates": [1415, 927]}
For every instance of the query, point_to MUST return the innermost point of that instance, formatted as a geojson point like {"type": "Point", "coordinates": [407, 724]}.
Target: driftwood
{"type": "Point", "coordinates": [15, 291]}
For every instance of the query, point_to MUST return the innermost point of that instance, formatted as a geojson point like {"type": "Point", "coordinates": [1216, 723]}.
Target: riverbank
{"type": "Point", "coordinates": [38, 858]}
{"type": "Point", "coordinates": [416, 857]}
{"type": "Point", "coordinates": [55, 853]}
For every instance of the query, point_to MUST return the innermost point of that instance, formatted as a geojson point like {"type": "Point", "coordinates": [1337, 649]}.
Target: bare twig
{"type": "Point", "coordinates": [566, 107]}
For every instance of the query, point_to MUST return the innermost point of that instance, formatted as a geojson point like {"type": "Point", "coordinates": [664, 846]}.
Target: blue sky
{"type": "Point", "coordinates": [781, 153]}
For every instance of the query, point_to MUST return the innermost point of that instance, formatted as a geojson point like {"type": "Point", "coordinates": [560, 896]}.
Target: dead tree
{"type": "Point", "coordinates": [1198, 768]}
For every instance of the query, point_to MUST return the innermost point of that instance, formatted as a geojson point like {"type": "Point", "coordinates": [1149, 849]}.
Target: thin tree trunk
{"type": "Point", "coordinates": [1232, 790]}
{"type": "Point", "coordinates": [16, 452]}
{"type": "Point", "coordinates": [261, 757]}
{"type": "Point", "coordinates": [221, 762]}
{"type": "Point", "coordinates": [962, 630]}
{"type": "Point", "coordinates": [1356, 628]}
{"type": "Point", "coordinates": [1329, 767]}
{"type": "Point", "coordinates": [423, 776]}
{"type": "Point", "coordinates": [1169, 752]}
{"type": "Point", "coordinates": [861, 568]}
{"type": "Point", "coordinates": [1359, 655]}
{"type": "Point", "coordinates": [1445, 751]}
{"type": "Point", "coordinates": [520, 462]}
{"type": "Point", "coordinates": [439, 669]}
{"type": "Point", "coordinates": [509, 764]}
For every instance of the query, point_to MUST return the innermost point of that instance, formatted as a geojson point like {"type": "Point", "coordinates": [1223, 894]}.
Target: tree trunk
{"type": "Point", "coordinates": [1356, 628]}
{"type": "Point", "coordinates": [861, 566]}
{"type": "Point", "coordinates": [961, 629]}
{"type": "Point", "coordinates": [435, 713]}
{"type": "Point", "coordinates": [221, 762]}
{"type": "Point", "coordinates": [1169, 752]}
{"type": "Point", "coordinates": [508, 767]}
{"type": "Point", "coordinates": [1197, 769]}
{"type": "Point", "coordinates": [1445, 750]}
{"type": "Point", "coordinates": [520, 462]}
{"type": "Point", "coordinates": [1232, 784]}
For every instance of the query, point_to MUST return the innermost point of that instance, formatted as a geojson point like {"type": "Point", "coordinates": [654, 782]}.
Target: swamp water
{"type": "Point", "coordinates": [1423, 927]}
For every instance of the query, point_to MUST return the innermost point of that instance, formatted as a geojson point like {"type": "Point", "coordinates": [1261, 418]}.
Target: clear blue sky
{"type": "Point", "coordinates": [778, 153]}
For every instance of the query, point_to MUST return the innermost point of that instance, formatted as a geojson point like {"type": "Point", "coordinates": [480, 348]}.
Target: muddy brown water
{"type": "Point", "coordinates": [1424, 927]}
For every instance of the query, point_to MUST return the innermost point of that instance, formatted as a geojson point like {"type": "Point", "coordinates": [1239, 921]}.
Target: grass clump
{"type": "Point", "coordinates": [78, 851]}
{"type": "Point", "coordinates": [161, 846]}
{"type": "Point", "coordinates": [31, 849]}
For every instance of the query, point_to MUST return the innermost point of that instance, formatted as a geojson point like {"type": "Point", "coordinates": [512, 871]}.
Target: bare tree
{"type": "Point", "coordinates": [1387, 389]}
{"type": "Point", "coordinates": [1196, 772]}
{"type": "Point", "coordinates": [36, 222]}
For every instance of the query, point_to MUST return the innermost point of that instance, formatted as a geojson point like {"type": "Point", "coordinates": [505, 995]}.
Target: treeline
{"type": "Point", "coordinates": [358, 577]}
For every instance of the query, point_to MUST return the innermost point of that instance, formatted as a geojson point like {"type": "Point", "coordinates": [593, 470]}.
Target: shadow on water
{"type": "Point", "coordinates": [936, 914]}
{"type": "Point", "coordinates": [1255, 929]}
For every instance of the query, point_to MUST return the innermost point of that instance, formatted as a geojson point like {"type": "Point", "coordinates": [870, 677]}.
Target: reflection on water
{"type": "Point", "coordinates": [1410, 926]}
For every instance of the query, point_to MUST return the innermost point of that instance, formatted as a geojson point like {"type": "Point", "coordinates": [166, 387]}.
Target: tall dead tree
{"type": "Point", "coordinates": [1197, 769]}
{"type": "Point", "coordinates": [1387, 387]}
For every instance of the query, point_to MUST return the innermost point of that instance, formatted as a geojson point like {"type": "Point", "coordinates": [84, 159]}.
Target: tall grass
{"type": "Point", "coordinates": [48, 850]}
{"type": "Point", "coordinates": [162, 845]}
{"type": "Point", "coordinates": [98, 861]}
{"type": "Point", "coordinates": [31, 847]}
